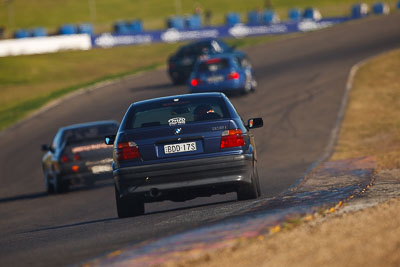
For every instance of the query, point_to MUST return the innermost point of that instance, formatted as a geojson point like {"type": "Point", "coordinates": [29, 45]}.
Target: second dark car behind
{"type": "Point", "coordinates": [77, 155]}
{"type": "Point", "coordinates": [180, 64]}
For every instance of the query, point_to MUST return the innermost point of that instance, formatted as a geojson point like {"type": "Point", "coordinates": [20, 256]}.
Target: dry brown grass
{"type": "Point", "coordinates": [372, 121]}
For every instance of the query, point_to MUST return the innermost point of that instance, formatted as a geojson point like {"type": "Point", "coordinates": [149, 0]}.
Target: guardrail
{"type": "Point", "coordinates": [41, 45]}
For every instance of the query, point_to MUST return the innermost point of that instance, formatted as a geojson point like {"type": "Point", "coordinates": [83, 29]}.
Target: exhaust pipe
{"type": "Point", "coordinates": [154, 192]}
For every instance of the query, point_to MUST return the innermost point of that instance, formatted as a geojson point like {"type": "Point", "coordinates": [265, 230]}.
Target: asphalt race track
{"type": "Point", "coordinates": [301, 84]}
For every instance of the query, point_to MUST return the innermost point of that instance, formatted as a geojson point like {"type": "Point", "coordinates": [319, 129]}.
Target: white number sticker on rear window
{"type": "Point", "coordinates": [176, 121]}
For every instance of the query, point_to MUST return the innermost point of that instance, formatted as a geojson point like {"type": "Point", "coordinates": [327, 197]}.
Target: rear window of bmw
{"type": "Point", "coordinates": [214, 64]}
{"type": "Point", "coordinates": [176, 112]}
{"type": "Point", "coordinates": [87, 133]}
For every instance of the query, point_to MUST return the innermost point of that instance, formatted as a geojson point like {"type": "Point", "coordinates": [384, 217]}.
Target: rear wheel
{"type": "Point", "coordinates": [177, 80]}
{"type": "Point", "coordinates": [247, 88]}
{"type": "Point", "coordinates": [251, 191]}
{"type": "Point", "coordinates": [60, 186]}
{"type": "Point", "coordinates": [253, 85]}
{"type": "Point", "coordinates": [49, 185]}
{"type": "Point", "coordinates": [128, 206]}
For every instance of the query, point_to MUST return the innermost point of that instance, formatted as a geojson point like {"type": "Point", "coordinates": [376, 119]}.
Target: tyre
{"type": "Point", "coordinates": [253, 85]}
{"type": "Point", "coordinates": [257, 180]}
{"type": "Point", "coordinates": [49, 185]}
{"type": "Point", "coordinates": [251, 191]}
{"type": "Point", "coordinates": [128, 206]}
{"type": "Point", "coordinates": [177, 80]}
{"type": "Point", "coordinates": [60, 186]}
{"type": "Point", "coordinates": [247, 88]}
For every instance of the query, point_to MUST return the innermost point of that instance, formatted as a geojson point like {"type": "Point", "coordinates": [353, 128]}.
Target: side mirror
{"type": "Point", "coordinates": [45, 147]}
{"type": "Point", "coordinates": [109, 140]}
{"type": "Point", "coordinates": [255, 123]}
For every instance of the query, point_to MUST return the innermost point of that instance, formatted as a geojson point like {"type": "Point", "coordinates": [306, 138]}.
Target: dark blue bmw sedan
{"type": "Point", "coordinates": [181, 147]}
{"type": "Point", "coordinates": [227, 73]}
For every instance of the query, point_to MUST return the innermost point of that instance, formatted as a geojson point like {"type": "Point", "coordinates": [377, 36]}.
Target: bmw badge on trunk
{"type": "Point", "coordinates": [178, 130]}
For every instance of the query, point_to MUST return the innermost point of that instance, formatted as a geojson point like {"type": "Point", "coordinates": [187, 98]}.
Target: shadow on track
{"type": "Point", "coordinates": [71, 225]}
{"type": "Point", "coordinates": [116, 218]}
{"type": "Point", "coordinates": [45, 194]}
{"type": "Point", "coordinates": [24, 197]}
{"type": "Point", "coordinates": [189, 207]}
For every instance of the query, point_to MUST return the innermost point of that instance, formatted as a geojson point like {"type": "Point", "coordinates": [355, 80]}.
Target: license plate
{"type": "Point", "coordinates": [214, 79]}
{"type": "Point", "coordinates": [101, 169]}
{"type": "Point", "coordinates": [178, 148]}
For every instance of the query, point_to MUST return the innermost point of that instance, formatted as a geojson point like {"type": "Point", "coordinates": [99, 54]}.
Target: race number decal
{"type": "Point", "coordinates": [176, 121]}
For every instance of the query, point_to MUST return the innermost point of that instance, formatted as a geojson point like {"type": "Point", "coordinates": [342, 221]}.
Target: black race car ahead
{"type": "Point", "coordinates": [78, 155]}
{"type": "Point", "coordinates": [181, 63]}
{"type": "Point", "coordinates": [181, 147]}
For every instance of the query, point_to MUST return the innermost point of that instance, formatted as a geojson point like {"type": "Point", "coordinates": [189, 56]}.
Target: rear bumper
{"type": "Point", "coordinates": [86, 177]}
{"type": "Point", "coordinates": [200, 173]}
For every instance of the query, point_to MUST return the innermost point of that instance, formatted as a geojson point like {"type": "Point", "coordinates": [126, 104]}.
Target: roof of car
{"type": "Point", "coordinates": [88, 124]}
{"type": "Point", "coordinates": [171, 98]}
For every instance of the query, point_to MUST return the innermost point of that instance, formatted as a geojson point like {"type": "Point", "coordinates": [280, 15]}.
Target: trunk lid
{"type": "Point", "coordinates": [179, 141]}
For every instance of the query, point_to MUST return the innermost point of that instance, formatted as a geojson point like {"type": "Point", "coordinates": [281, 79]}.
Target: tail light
{"type": "Point", "coordinates": [233, 76]}
{"type": "Point", "coordinates": [127, 150]}
{"type": "Point", "coordinates": [75, 168]}
{"type": "Point", "coordinates": [232, 138]}
{"type": "Point", "coordinates": [64, 159]}
{"type": "Point", "coordinates": [195, 82]}
{"type": "Point", "coordinates": [77, 157]}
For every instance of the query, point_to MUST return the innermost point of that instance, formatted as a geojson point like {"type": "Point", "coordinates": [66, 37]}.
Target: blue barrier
{"type": "Point", "coordinates": [269, 16]}
{"type": "Point", "coordinates": [294, 14]}
{"type": "Point", "coordinates": [21, 33]}
{"type": "Point", "coordinates": [398, 5]}
{"type": "Point", "coordinates": [135, 26]}
{"type": "Point", "coordinates": [39, 32]}
{"type": "Point", "coordinates": [85, 28]}
{"type": "Point", "coordinates": [312, 13]}
{"type": "Point", "coordinates": [128, 27]}
{"type": "Point", "coordinates": [176, 23]}
{"type": "Point", "coordinates": [359, 11]}
{"type": "Point", "coordinates": [121, 27]}
{"type": "Point", "coordinates": [253, 17]}
{"type": "Point", "coordinates": [67, 29]}
{"type": "Point", "coordinates": [193, 22]}
{"type": "Point", "coordinates": [232, 19]}
{"type": "Point", "coordinates": [380, 8]}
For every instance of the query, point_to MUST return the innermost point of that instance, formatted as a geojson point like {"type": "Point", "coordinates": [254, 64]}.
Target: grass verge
{"type": "Point", "coordinates": [17, 111]}
{"type": "Point", "coordinates": [372, 120]}
{"type": "Point", "coordinates": [29, 82]}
